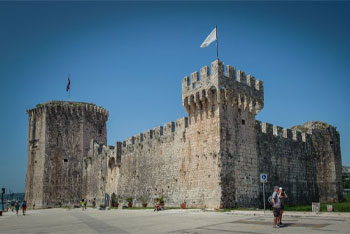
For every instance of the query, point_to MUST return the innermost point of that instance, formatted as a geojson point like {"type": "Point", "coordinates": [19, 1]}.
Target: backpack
{"type": "Point", "coordinates": [269, 199]}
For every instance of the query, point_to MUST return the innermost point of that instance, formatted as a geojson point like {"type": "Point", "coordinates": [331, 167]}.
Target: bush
{"type": "Point", "coordinates": [129, 199]}
{"type": "Point", "coordinates": [115, 200]}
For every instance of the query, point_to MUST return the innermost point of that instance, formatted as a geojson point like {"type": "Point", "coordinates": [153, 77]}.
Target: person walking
{"type": "Point", "coordinates": [94, 203]}
{"type": "Point", "coordinates": [283, 196]}
{"type": "Point", "coordinates": [12, 205]}
{"type": "Point", "coordinates": [7, 206]}
{"type": "Point", "coordinates": [17, 207]}
{"type": "Point", "coordinates": [276, 206]}
{"type": "Point", "coordinates": [24, 207]}
{"type": "Point", "coordinates": [82, 204]}
{"type": "Point", "coordinates": [85, 204]}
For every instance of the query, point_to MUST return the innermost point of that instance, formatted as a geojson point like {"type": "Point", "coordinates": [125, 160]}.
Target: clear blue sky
{"type": "Point", "coordinates": [130, 58]}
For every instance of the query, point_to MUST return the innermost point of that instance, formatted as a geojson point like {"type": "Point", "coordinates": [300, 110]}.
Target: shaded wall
{"type": "Point", "coordinates": [287, 157]}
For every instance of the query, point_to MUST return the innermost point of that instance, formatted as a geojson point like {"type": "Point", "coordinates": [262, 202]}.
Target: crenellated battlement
{"type": "Point", "coordinates": [280, 132]}
{"type": "Point", "coordinates": [206, 88]}
{"type": "Point", "coordinates": [158, 133]}
{"type": "Point", "coordinates": [99, 147]}
{"type": "Point", "coordinates": [70, 108]}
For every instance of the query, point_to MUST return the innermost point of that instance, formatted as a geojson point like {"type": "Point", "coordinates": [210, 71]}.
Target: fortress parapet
{"type": "Point", "coordinates": [69, 108]}
{"type": "Point", "coordinates": [167, 131]}
{"type": "Point", "coordinates": [272, 131]}
{"type": "Point", "coordinates": [234, 87]}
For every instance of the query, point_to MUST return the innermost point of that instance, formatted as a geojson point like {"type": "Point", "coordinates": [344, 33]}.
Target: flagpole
{"type": "Point", "coordinates": [217, 42]}
{"type": "Point", "coordinates": [69, 87]}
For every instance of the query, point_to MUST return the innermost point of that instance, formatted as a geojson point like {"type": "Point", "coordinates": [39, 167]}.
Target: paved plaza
{"type": "Point", "coordinates": [175, 221]}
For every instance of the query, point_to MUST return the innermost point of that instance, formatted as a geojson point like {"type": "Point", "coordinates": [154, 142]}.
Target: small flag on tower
{"type": "Point", "coordinates": [68, 85]}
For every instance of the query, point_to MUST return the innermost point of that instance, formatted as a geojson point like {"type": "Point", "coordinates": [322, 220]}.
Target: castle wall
{"type": "Point", "coordinates": [149, 166]}
{"type": "Point", "coordinates": [326, 151]}
{"type": "Point", "coordinates": [113, 165]}
{"type": "Point", "coordinates": [176, 161]}
{"type": "Point", "coordinates": [95, 172]}
{"type": "Point", "coordinates": [287, 157]}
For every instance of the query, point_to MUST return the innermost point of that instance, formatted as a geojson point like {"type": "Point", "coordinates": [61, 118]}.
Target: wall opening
{"type": "Point", "coordinates": [243, 122]}
{"type": "Point", "coordinates": [111, 163]}
{"type": "Point", "coordinates": [65, 160]}
{"type": "Point", "coordinates": [33, 128]}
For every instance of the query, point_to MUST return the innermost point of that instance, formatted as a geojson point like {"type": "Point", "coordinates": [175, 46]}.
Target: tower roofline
{"type": "Point", "coordinates": [64, 103]}
{"type": "Point", "coordinates": [69, 106]}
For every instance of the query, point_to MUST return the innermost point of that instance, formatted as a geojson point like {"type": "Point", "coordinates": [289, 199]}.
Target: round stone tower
{"type": "Point", "coordinates": [59, 136]}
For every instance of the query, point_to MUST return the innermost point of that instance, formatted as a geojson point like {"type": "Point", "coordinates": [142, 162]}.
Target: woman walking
{"type": "Point", "coordinates": [17, 207]}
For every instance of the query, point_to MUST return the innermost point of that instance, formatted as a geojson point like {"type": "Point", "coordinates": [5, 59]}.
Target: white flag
{"type": "Point", "coordinates": [210, 38]}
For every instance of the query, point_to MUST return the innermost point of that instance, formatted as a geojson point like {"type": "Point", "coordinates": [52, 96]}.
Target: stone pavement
{"type": "Point", "coordinates": [169, 221]}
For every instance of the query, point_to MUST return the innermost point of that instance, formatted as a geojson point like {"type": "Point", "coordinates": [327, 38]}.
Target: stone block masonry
{"type": "Point", "coordinates": [58, 143]}
{"type": "Point", "coordinates": [210, 159]}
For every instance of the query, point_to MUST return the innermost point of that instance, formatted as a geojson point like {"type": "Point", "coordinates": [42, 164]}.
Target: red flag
{"type": "Point", "coordinates": [68, 85]}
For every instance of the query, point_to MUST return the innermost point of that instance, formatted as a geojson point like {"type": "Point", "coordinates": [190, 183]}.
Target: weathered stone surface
{"type": "Point", "coordinates": [213, 158]}
{"type": "Point", "coordinates": [58, 141]}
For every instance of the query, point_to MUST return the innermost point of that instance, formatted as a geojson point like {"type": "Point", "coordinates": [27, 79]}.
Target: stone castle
{"type": "Point", "coordinates": [210, 159]}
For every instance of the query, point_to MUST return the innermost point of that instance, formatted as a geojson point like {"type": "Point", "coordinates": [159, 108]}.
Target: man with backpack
{"type": "Point", "coordinates": [276, 206]}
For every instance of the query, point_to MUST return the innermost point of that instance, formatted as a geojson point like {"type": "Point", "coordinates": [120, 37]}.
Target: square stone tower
{"type": "Point", "coordinates": [232, 99]}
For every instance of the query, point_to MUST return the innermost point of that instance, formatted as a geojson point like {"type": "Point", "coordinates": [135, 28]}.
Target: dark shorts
{"type": "Point", "coordinates": [276, 211]}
